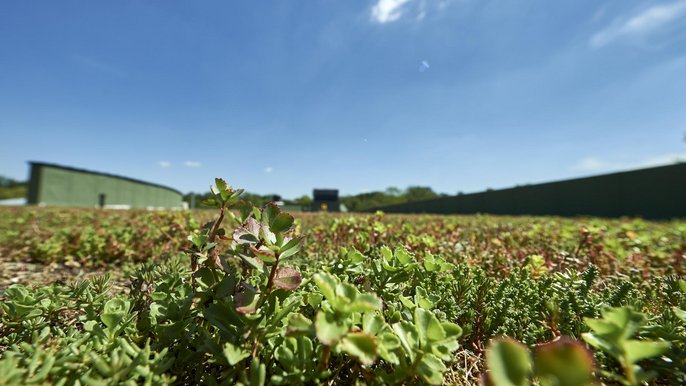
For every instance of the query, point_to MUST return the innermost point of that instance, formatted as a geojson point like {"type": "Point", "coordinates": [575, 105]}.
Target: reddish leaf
{"type": "Point", "coordinates": [248, 233]}
{"type": "Point", "coordinates": [288, 279]}
{"type": "Point", "coordinates": [245, 302]}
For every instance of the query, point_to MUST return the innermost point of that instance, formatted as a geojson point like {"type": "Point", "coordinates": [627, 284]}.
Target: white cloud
{"type": "Point", "coordinates": [268, 169]}
{"type": "Point", "coordinates": [164, 164]}
{"type": "Point", "coordinates": [664, 159]}
{"type": "Point", "coordinates": [421, 13]}
{"type": "Point", "coordinates": [386, 11]}
{"type": "Point", "coordinates": [641, 24]}
{"type": "Point", "coordinates": [192, 164]}
{"type": "Point", "coordinates": [593, 164]}
{"type": "Point", "coordinates": [589, 164]}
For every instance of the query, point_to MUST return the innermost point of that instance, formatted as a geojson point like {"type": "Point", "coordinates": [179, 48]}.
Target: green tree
{"type": "Point", "coordinates": [303, 200]}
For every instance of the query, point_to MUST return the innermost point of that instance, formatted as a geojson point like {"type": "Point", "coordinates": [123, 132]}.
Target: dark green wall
{"type": "Point", "coordinates": [58, 186]}
{"type": "Point", "coordinates": [658, 193]}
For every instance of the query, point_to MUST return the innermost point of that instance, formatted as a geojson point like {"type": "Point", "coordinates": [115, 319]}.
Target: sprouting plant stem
{"type": "Point", "coordinates": [270, 282]}
{"type": "Point", "coordinates": [629, 371]}
{"type": "Point", "coordinates": [272, 274]}
{"type": "Point", "coordinates": [215, 226]}
{"type": "Point", "coordinates": [255, 345]}
{"type": "Point", "coordinates": [263, 298]}
{"type": "Point", "coordinates": [324, 363]}
{"type": "Point", "coordinates": [415, 363]}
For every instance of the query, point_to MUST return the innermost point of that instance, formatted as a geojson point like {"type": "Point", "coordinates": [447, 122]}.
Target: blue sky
{"type": "Point", "coordinates": [286, 96]}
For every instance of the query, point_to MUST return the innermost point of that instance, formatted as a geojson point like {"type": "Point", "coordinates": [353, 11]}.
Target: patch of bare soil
{"type": "Point", "coordinates": [38, 274]}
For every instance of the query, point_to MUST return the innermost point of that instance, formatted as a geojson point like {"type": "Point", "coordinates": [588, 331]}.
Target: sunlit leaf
{"type": "Point", "coordinates": [509, 363]}
{"type": "Point", "coordinates": [287, 278]}
{"type": "Point", "coordinates": [360, 345]}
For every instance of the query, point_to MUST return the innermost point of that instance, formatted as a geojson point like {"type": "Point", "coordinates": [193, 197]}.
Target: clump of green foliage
{"type": "Point", "coordinates": [247, 294]}
{"type": "Point", "coordinates": [237, 314]}
{"type": "Point", "coordinates": [10, 188]}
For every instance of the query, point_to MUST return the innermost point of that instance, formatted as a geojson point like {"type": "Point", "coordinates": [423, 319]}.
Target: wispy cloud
{"type": "Point", "coordinates": [663, 159]}
{"type": "Point", "coordinates": [641, 24]}
{"type": "Point", "coordinates": [164, 164]}
{"type": "Point", "coordinates": [386, 11]}
{"type": "Point", "coordinates": [97, 65]}
{"type": "Point", "coordinates": [593, 164]}
{"type": "Point", "coordinates": [192, 164]}
{"type": "Point", "coordinates": [268, 169]}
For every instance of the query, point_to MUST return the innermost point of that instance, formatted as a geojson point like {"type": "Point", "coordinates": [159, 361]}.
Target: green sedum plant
{"type": "Point", "coordinates": [613, 334]}
{"type": "Point", "coordinates": [560, 362]}
{"type": "Point", "coordinates": [250, 295]}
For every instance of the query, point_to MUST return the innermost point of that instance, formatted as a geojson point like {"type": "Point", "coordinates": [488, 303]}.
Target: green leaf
{"type": "Point", "coordinates": [388, 343]}
{"type": "Point", "coordinates": [198, 240]}
{"type": "Point", "coordinates": [287, 278]}
{"type": "Point", "coordinates": [285, 356]}
{"type": "Point", "coordinates": [430, 263]}
{"type": "Point", "coordinates": [403, 256]}
{"type": "Point", "coordinates": [386, 253]}
{"type": "Point", "coordinates": [210, 202]}
{"type": "Point", "coordinates": [372, 323]}
{"type": "Point", "coordinates": [431, 369]}
{"type": "Point", "coordinates": [290, 248]}
{"type": "Point", "coordinates": [224, 190]}
{"type": "Point", "coordinates": [407, 302]}
{"type": "Point", "coordinates": [221, 184]}
{"type": "Point", "coordinates": [329, 328]}
{"type": "Point", "coordinates": [298, 324]}
{"type": "Point", "coordinates": [205, 277]}
{"type": "Point", "coordinates": [327, 284]}
{"type": "Point", "coordinates": [409, 338]}
{"type": "Point", "coordinates": [222, 316]}
{"type": "Point", "coordinates": [281, 223]}
{"type": "Point", "coordinates": [635, 350]}
{"type": "Point", "coordinates": [258, 373]}
{"type": "Point", "coordinates": [263, 253]}
{"type": "Point", "coordinates": [428, 327]}
{"type": "Point", "coordinates": [269, 213]}
{"type": "Point", "coordinates": [364, 303]}
{"type": "Point", "coordinates": [424, 299]}
{"type": "Point", "coordinates": [360, 345]}
{"type": "Point", "coordinates": [509, 363]}
{"type": "Point", "coordinates": [90, 325]}
{"type": "Point", "coordinates": [248, 234]}
{"type": "Point", "coordinates": [245, 209]}
{"type": "Point", "coordinates": [452, 330]}
{"type": "Point", "coordinates": [246, 302]}
{"type": "Point", "coordinates": [234, 354]}
{"type": "Point", "coordinates": [355, 256]}
{"type": "Point", "coordinates": [114, 312]}
{"type": "Point", "coordinates": [252, 261]}
{"type": "Point", "coordinates": [267, 235]}
{"type": "Point", "coordinates": [681, 314]}
{"type": "Point", "coordinates": [625, 318]}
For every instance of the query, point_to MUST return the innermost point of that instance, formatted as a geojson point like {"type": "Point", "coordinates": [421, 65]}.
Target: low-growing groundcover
{"type": "Point", "coordinates": [256, 297]}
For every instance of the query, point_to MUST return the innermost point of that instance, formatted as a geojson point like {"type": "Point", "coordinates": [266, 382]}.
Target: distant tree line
{"type": "Point", "coordinates": [11, 188]}
{"type": "Point", "coordinates": [392, 195]}
{"type": "Point", "coordinates": [354, 203]}
{"type": "Point", "coordinates": [6, 182]}
{"type": "Point", "coordinates": [256, 199]}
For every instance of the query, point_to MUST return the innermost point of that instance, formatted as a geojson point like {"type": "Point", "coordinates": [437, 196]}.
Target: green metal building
{"type": "Point", "coordinates": [55, 185]}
